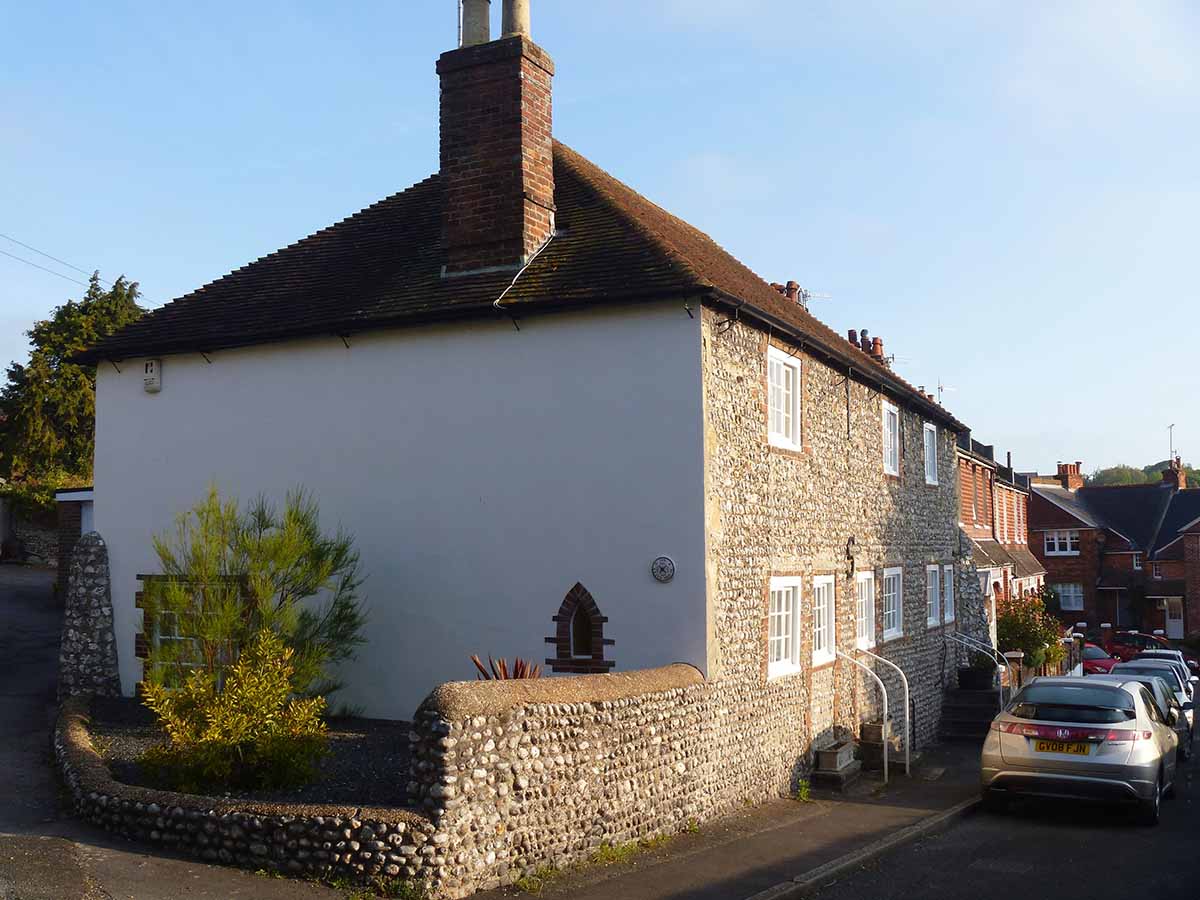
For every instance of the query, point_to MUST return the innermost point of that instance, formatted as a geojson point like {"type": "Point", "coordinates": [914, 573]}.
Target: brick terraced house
{"type": "Point", "coordinates": [1126, 555]}
{"type": "Point", "coordinates": [562, 424]}
{"type": "Point", "coordinates": [994, 516]}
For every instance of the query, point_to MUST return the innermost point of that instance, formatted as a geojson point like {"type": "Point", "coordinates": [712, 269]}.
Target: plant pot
{"type": "Point", "coordinates": [972, 679]}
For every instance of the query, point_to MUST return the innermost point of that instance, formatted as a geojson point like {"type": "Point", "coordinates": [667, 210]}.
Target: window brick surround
{"type": "Point", "coordinates": [578, 600]}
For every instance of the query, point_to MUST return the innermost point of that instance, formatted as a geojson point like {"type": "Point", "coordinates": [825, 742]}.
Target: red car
{"type": "Point", "coordinates": [1126, 645]}
{"type": "Point", "coordinates": [1096, 661]}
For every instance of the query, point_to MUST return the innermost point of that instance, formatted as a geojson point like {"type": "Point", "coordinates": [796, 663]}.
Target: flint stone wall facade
{"type": "Point", "coordinates": [87, 660]}
{"type": "Point", "coordinates": [507, 777]}
{"type": "Point", "coordinates": [827, 509]}
{"type": "Point", "coordinates": [39, 542]}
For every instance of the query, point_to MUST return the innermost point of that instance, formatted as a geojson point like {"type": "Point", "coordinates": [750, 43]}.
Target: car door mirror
{"type": "Point", "coordinates": [1188, 706]}
{"type": "Point", "coordinates": [1194, 679]}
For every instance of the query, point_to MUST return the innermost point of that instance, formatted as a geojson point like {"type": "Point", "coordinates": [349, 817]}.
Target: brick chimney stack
{"type": "Point", "coordinates": [1069, 475]}
{"type": "Point", "coordinates": [1174, 474]}
{"type": "Point", "coordinates": [497, 152]}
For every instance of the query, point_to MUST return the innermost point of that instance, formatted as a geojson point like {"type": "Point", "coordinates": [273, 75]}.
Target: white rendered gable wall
{"type": "Point", "coordinates": [483, 472]}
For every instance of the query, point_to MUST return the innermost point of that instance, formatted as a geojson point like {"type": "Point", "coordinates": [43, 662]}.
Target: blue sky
{"type": "Point", "coordinates": [1006, 192]}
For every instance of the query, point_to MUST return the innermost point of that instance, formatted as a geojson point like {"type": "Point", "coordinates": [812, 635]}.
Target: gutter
{"type": "Point", "coordinates": [811, 344]}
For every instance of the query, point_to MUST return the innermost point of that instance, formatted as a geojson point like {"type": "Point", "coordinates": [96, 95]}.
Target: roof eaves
{"type": "Point", "coordinates": [869, 374]}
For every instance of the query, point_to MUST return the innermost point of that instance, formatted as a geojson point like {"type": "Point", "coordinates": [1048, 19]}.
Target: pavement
{"type": "Point", "coordinates": [758, 853]}
{"type": "Point", "coordinates": [44, 853]}
{"type": "Point", "coordinates": [1044, 849]}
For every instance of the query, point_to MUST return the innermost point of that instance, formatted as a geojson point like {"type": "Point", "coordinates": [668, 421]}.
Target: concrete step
{"type": "Point", "coordinates": [839, 780]}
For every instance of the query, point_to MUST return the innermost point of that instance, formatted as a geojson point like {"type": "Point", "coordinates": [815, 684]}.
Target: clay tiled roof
{"type": "Point", "coordinates": [382, 267]}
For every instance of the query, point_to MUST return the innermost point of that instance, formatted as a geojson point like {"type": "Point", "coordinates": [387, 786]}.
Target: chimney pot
{"type": "Point", "coordinates": [793, 290]}
{"type": "Point", "coordinates": [865, 341]}
{"type": "Point", "coordinates": [853, 336]}
{"type": "Point", "coordinates": [877, 348]}
{"type": "Point", "coordinates": [476, 22]}
{"type": "Point", "coordinates": [516, 18]}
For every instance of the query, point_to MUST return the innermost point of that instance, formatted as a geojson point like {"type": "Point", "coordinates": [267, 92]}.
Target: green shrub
{"type": "Point", "coordinates": [1024, 623]}
{"type": "Point", "coordinates": [251, 733]}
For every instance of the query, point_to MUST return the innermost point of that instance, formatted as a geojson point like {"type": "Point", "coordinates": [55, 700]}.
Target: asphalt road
{"type": "Point", "coordinates": [1043, 849]}
{"type": "Point", "coordinates": [44, 853]}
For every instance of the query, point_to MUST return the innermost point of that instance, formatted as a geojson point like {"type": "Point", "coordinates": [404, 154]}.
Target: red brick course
{"type": "Point", "coordinates": [496, 153]}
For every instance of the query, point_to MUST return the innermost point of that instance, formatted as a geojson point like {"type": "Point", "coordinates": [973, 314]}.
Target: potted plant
{"type": "Point", "coordinates": [977, 675]}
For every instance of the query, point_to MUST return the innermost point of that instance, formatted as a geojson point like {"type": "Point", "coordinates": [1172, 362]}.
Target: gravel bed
{"type": "Point", "coordinates": [367, 764]}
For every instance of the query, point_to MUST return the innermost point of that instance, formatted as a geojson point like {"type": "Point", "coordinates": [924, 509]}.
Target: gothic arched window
{"type": "Point", "coordinates": [578, 638]}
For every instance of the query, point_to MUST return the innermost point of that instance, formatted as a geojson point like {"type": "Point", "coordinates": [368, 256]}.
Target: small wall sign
{"type": "Point", "coordinates": [663, 569]}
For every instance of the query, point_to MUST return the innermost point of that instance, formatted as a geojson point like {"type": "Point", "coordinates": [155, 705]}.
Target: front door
{"type": "Point", "coordinates": [1175, 618]}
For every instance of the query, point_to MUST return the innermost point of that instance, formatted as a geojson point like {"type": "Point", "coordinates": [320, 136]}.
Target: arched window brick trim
{"type": "Point", "coordinates": [579, 601]}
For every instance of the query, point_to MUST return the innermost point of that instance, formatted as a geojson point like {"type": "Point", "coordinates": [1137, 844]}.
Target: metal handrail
{"type": "Point", "coordinates": [882, 690]}
{"type": "Point", "coordinates": [907, 709]}
{"type": "Point", "coordinates": [993, 654]}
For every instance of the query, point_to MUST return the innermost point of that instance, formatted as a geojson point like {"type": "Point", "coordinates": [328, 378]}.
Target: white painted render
{"type": "Point", "coordinates": [483, 472]}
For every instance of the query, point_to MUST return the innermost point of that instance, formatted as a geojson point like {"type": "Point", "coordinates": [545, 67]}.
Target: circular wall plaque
{"type": "Point", "coordinates": [663, 569]}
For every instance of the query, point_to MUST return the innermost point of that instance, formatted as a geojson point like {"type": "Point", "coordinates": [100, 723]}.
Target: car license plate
{"type": "Point", "coordinates": [1074, 748]}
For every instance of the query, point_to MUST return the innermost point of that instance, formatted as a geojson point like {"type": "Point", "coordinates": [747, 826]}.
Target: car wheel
{"type": "Point", "coordinates": [993, 802]}
{"type": "Point", "coordinates": [1148, 810]}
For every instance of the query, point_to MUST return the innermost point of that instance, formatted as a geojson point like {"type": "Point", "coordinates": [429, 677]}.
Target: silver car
{"type": "Point", "coordinates": [1164, 668]}
{"type": "Point", "coordinates": [1081, 739]}
{"type": "Point", "coordinates": [1165, 698]}
{"type": "Point", "coordinates": [1175, 658]}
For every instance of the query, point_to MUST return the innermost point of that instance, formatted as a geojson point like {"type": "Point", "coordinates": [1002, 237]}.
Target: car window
{"type": "Point", "coordinates": [1151, 706]}
{"type": "Point", "coordinates": [1165, 672]}
{"type": "Point", "coordinates": [1094, 653]}
{"type": "Point", "coordinates": [1090, 705]}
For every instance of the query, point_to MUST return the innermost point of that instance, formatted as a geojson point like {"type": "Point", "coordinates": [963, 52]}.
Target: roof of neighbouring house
{"type": "Point", "coordinates": [990, 554]}
{"type": "Point", "coordinates": [1068, 502]}
{"type": "Point", "coordinates": [382, 267]}
{"type": "Point", "coordinates": [1150, 516]}
{"type": "Point", "coordinates": [1025, 564]}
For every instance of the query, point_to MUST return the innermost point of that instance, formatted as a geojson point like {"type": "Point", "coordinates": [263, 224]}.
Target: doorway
{"type": "Point", "coordinates": [1175, 618]}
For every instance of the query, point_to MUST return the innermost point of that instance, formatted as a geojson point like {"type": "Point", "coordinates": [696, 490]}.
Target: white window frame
{"type": "Point", "coordinates": [897, 629]}
{"type": "Point", "coordinates": [1137, 562]}
{"type": "Point", "coordinates": [790, 661]}
{"type": "Point", "coordinates": [864, 609]}
{"type": "Point", "coordinates": [948, 592]}
{"type": "Point", "coordinates": [1062, 598]}
{"type": "Point", "coordinates": [790, 438]}
{"type": "Point", "coordinates": [933, 596]}
{"type": "Point", "coordinates": [931, 458]}
{"type": "Point", "coordinates": [1156, 570]}
{"type": "Point", "coordinates": [1060, 542]}
{"type": "Point", "coordinates": [824, 619]}
{"type": "Point", "coordinates": [891, 466]}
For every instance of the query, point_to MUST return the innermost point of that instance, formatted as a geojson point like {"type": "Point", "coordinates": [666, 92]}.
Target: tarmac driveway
{"type": "Point", "coordinates": [44, 853]}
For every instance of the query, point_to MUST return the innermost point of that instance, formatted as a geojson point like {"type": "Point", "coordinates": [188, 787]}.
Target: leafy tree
{"type": "Point", "coordinates": [227, 575]}
{"type": "Point", "coordinates": [47, 406]}
{"type": "Point", "coordinates": [1124, 474]}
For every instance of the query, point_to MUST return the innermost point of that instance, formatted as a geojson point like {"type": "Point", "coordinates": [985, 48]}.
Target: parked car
{"type": "Point", "coordinates": [1172, 655]}
{"type": "Point", "coordinates": [1164, 696]}
{"type": "Point", "coordinates": [1097, 661]}
{"type": "Point", "coordinates": [1128, 644]}
{"type": "Point", "coordinates": [1189, 680]}
{"type": "Point", "coordinates": [1162, 668]}
{"type": "Point", "coordinates": [1081, 739]}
